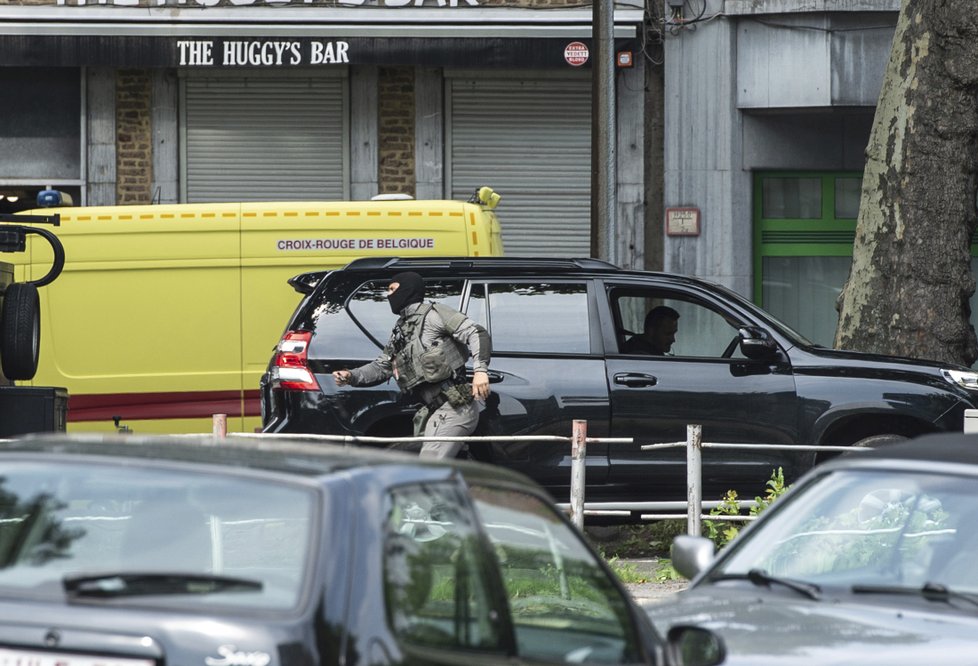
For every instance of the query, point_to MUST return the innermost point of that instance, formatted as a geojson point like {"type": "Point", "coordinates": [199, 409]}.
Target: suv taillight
{"type": "Point", "coordinates": [291, 372]}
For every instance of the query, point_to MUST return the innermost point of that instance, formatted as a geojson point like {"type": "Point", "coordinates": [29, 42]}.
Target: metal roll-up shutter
{"type": "Point", "coordinates": [262, 138]}
{"type": "Point", "coordinates": [531, 141]}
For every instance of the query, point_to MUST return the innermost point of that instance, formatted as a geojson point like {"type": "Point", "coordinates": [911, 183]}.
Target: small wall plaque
{"type": "Point", "coordinates": [683, 221]}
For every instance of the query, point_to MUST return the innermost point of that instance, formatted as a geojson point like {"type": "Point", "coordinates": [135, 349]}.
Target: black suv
{"type": "Point", "coordinates": [557, 329]}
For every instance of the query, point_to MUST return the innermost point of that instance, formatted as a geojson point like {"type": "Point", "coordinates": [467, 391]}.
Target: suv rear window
{"type": "Point", "coordinates": [369, 307]}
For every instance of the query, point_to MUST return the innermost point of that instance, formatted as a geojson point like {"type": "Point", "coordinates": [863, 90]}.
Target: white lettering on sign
{"type": "Point", "coordinates": [272, 3]}
{"type": "Point", "coordinates": [257, 53]}
{"type": "Point", "coordinates": [311, 244]}
{"type": "Point", "coordinates": [261, 53]}
{"type": "Point", "coordinates": [196, 53]}
{"type": "Point", "coordinates": [328, 53]}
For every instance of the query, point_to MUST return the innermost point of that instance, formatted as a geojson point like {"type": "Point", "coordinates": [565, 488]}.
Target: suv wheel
{"type": "Point", "coordinates": [20, 331]}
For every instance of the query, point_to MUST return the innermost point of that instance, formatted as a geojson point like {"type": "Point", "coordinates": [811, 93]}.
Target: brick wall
{"type": "Point", "coordinates": [134, 156]}
{"type": "Point", "coordinates": [395, 120]}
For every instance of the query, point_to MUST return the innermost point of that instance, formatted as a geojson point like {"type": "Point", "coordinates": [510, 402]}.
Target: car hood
{"type": "Point", "coordinates": [896, 362]}
{"type": "Point", "coordinates": [770, 628]}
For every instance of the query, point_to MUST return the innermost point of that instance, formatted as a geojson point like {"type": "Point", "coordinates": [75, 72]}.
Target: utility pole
{"type": "Point", "coordinates": [604, 160]}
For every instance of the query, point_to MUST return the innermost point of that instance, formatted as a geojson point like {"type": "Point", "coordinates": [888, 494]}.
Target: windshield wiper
{"type": "Point", "coordinates": [130, 584]}
{"type": "Point", "coordinates": [761, 578]}
{"type": "Point", "coordinates": [929, 591]}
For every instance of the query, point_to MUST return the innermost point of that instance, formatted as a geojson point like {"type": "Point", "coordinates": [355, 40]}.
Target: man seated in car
{"type": "Point", "coordinates": [661, 325]}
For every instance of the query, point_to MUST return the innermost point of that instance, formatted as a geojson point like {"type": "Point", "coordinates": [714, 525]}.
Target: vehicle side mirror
{"type": "Point", "coordinates": [691, 554]}
{"type": "Point", "coordinates": [757, 344]}
{"type": "Point", "coordinates": [694, 646]}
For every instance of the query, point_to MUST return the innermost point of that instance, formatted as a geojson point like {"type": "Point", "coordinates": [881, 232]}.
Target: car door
{"type": "Point", "coordinates": [704, 380]}
{"type": "Point", "coordinates": [491, 574]}
{"type": "Point", "coordinates": [547, 370]}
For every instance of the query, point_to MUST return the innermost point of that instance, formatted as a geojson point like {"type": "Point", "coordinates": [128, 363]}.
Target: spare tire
{"type": "Point", "coordinates": [20, 331]}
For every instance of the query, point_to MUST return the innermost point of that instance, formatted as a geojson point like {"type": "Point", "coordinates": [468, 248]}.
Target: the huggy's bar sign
{"type": "Point", "coordinates": [261, 52]}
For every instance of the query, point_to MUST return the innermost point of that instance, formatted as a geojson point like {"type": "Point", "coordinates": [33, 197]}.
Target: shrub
{"type": "Point", "coordinates": [723, 532]}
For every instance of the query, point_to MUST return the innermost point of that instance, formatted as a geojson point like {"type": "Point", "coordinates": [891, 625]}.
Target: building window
{"type": "Point", "coordinates": [802, 263]}
{"type": "Point", "coordinates": [40, 131]}
{"type": "Point", "coordinates": [804, 228]}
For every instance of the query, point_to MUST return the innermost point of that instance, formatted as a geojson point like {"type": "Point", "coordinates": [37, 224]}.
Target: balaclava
{"type": "Point", "coordinates": [411, 290]}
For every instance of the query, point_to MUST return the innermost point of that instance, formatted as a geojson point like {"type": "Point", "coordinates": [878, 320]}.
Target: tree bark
{"type": "Point", "coordinates": [909, 287]}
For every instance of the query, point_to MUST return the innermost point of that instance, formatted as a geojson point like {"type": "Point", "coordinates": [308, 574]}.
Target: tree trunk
{"type": "Point", "coordinates": [910, 283]}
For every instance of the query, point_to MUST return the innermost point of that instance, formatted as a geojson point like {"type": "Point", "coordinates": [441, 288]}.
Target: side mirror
{"type": "Point", "coordinates": [691, 554]}
{"type": "Point", "coordinates": [694, 646]}
{"type": "Point", "coordinates": [757, 344]}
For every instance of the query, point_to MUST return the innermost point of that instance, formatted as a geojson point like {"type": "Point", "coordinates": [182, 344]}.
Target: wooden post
{"type": "Point", "coordinates": [694, 475]}
{"type": "Point", "coordinates": [578, 455]}
{"type": "Point", "coordinates": [220, 425]}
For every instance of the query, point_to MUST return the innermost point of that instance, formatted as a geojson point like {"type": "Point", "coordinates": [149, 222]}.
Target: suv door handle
{"type": "Point", "coordinates": [635, 379]}
{"type": "Point", "coordinates": [494, 377]}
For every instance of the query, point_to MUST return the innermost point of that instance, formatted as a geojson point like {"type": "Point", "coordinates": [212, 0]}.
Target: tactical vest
{"type": "Point", "coordinates": [417, 364]}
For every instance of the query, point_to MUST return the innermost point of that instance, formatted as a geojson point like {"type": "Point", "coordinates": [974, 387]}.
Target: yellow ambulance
{"type": "Point", "coordinates": [165, 315]}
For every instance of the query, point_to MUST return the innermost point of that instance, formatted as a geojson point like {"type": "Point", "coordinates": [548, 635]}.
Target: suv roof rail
{"type": "Point", "coordinates": [375, 263]}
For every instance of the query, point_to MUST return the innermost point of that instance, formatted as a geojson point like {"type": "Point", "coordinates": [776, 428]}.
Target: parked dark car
{"type": "Point", "coordinates": [129, 551]}
{"type": "Point", "coordinates": [868, 560]}
{"type": "Point", "coordinates": [557, 329]}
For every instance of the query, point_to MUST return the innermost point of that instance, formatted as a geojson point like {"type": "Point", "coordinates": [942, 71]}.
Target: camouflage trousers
{"type": "Point", "coordinates": [446, 421]}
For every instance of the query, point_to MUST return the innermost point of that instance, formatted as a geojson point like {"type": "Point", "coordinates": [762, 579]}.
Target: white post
{"type": "Point", "coordinates": [578, 454]}
{"type": "Point", "coordinates": [971, 420]}
{"type": "Point", "coordinates": [694, 475]}
{"type": "Point", "coordinates": [220, 425]}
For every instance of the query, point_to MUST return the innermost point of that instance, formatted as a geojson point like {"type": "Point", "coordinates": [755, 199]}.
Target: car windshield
{"type": "Point", "coordinates": [898, 529]}
{"type": "Point", "coordinates": [766, 317]}
{"type": "Point", "coordinates": [165, 535]}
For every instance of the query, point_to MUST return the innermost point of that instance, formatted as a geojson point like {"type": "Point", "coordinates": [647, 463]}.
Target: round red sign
{"type": "Point", "coordinates": [576, 54]}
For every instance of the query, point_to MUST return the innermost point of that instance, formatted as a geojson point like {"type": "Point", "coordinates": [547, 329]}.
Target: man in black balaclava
{"type": "Point", "coordinates": [409, 289]}
{"type": "Point", "coordinates": [426, 354]}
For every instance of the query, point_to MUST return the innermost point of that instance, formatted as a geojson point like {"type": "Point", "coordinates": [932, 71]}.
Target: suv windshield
{"type": "Point", "coordinates": [61, 522]}
{"type": "Point", "coordinates": [766, 317]}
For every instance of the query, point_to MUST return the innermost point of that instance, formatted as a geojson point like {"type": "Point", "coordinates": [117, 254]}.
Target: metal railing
{"type": "Point", "coordinates": [578, 441]}
{"type": "Point", "coordinates": [577, 507]}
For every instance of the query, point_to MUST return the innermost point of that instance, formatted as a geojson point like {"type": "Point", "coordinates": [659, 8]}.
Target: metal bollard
{"type": "Point", "coordinates": [970, 421]}
{"type": "Point", "coordinates": [694, 475]}
{"type": "Point", "coordinates": [220, 425]}
{"type": "Point", "coordinates": [578, 455]}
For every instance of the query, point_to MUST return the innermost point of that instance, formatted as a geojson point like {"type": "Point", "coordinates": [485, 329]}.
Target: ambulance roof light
{"type": "Point", "coordinates": [53, 198]}
{"type": "Point", "coordinates": [485, 196]}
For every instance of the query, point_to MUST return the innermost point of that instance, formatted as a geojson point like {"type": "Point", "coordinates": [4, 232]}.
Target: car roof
{"type": "Point", "coordinates": [957, 448]}
{"type": "Point", "coordinates": [292, 455]}
{"type": "Point", "coordinates": [510, 267]}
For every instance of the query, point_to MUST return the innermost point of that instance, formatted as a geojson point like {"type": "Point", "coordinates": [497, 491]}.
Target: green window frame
{"type": "Point", "coordinates": [804, 214]}
{"type": "Point", "coordinates": [824, 236]}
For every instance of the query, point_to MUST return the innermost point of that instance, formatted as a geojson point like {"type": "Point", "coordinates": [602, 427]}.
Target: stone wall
{"type": "Point", "coordinates": [134, 156]}
{"type": "Point", "coordinates": [396, 130]}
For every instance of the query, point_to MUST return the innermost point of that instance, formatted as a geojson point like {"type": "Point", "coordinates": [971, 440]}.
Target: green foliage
{"type": "Point", "coordinates": [723, 532]}
{"type": "Point", "coordinates": [666, 572]}
{"type": "Point", "coordinates": [626, 571]}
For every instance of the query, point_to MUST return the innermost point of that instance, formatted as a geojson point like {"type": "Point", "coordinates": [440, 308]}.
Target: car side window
{"type": "Point", "coordinates": [537, 317]}
{"type": "Point", "coordinates": [698, 330]}
{"type": "Point", "coordinates": [368, 304]}
{"type": "Point", "coordinates": [563, 604]}
{"type": "Point", "coordinates": [436, 591]}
